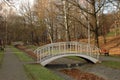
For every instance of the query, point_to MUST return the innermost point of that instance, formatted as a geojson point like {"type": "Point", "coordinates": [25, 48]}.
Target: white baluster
{"type": "Point", "coordinates": [64, 48]}
{"type": "Point", "coordinates": [76, 47]}
{"type": "Point", "coordinates": [70, 47]}
{"type": "Point", "coordinates": [39, 55]}
{"type": "Point", "coordinates": [59, 47]}
{"type": "Point", "coordinates": [37, 52]}
{"type": "Point", "coordinates": [49, 51]}
{"type": "Point", "coordinates": [80, 48]}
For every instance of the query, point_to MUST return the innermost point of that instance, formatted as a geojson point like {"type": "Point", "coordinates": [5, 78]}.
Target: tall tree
{"type": "Point", "coordinates": [92, 9]}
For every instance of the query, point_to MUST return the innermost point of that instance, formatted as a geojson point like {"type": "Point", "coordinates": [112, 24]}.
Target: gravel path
{"type": "Point", "coordinates": [12, 68]}
{"type": "Point", "coordinates": [97, 69]}
{"type": "Point", "coordinates": [102, 71]}
{"type": "Point", "coordinates": [109, 58]}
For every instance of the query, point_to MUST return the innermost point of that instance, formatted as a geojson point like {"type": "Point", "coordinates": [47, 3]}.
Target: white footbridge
{"type": "Point", "coordinates": [53, 51]}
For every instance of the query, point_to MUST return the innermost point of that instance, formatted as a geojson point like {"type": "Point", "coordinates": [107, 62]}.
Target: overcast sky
{"type": "Point", "coordinates": [17, 3]}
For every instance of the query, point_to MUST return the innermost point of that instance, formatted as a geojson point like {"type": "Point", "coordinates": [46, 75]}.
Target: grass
{"type": "Point", "coordinates": [40, 73]}
{"type": "Point", "coordinates": [32, 47]}
{"type": "Point", "coordinates": [22, 55]}
{"type": "Point", "coordinates": [115, 56]}
{"type": "Point", "coordinates": [75, 58]}
{"type": "Point", "coordinates": [111, 34]}
{"type": "Point", "coordinates": [112, 64]}
{"type": "Point", "coordinates": [35, 72]}
{"type": "Point", "coordinates": [1, 56]}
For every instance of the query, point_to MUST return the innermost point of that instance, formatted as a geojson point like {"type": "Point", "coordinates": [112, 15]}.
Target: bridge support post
{"type": "Point", "coordinates": [53, 51]}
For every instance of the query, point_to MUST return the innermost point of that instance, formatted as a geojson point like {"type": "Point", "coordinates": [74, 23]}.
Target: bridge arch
{"type": "Point", "coordinates": [45, 62]}
{"type": "Point", "coordinates": [50, 52]}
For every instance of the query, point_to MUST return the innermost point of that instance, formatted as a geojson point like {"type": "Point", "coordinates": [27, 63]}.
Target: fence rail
{"type": "Point", "coordinates": [61, 48]}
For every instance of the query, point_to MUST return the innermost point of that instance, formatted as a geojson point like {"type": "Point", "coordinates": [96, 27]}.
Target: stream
{"type": "Point", "coordinates": [72, 70]}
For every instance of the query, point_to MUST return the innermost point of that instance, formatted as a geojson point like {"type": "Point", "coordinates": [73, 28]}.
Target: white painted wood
{"type": "Point", "coordinates": [52, 51]}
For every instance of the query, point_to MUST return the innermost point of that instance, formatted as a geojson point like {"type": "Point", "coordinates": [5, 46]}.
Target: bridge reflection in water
{"type": "Point", "coordinates": [53, 51]}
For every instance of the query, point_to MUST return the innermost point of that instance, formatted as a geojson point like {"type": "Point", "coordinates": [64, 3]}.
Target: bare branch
{"type": "Point", "coordinates": [73, 2]}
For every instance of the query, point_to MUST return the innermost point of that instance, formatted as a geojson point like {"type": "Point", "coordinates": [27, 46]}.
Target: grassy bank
{"type": "Point", "coordinates": [115, 56]}
{"type": "Point", "coordinates": [75, 58]}
{"type": "Point", "coordinates": [32, 47]}
{"type": "Point", "coordinates": [22, 55]}
{"type": "Point", "coordinates": [112, 64]}
{"type": "Point", "coordinates": [35, 71]}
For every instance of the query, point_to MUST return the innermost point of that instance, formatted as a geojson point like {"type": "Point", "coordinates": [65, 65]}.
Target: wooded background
{"type": "Point", "coordinates": [59, 20]}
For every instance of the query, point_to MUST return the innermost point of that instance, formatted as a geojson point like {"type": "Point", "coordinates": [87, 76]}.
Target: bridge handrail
{"type": "Point", "coordinates": [47, 45]}
{"type": "Point", "coordinates": [46, 49]}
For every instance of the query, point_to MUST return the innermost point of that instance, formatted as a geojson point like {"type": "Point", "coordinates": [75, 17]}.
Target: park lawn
{"type": "Point", "coordinates": [22, 55]}
{"type": "Point", "coordinates": [112, 64]}
{"type": "Point", "coordinates": [1, 56]}
{"type": "Point", "coordinates": [38, 72]}
{"type": "Point", "coordinates": [115, 56]}
{"type": "Point", "coordinates": [35, 71]}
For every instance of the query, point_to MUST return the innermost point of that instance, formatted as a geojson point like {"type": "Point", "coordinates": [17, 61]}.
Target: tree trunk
{"type": "Point", "coordinates": [32, 37]}
{"type": "Point", "coordinates": [96, 33]}
{"type": "Point", "coordinates": [68, 35]}
{"type": "Point", "coordinates": [96, 37]}
{"type": "Point", "coordinates": [52, 33]}
{"type": "Point", "coordinates": [104, 39]}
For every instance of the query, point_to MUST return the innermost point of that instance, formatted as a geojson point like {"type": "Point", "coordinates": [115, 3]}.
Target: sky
{"type": "Point", "coordinates": [110, 8]}
{"type": "Point", "coordinates": [17, 3]}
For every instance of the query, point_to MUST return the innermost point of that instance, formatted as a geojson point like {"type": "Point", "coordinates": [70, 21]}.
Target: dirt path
{"type": "Point", "coordinates": [12, 68]}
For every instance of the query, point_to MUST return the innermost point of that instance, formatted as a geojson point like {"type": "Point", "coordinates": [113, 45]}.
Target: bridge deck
{"type": "Point", "coordinates": [50, 52]}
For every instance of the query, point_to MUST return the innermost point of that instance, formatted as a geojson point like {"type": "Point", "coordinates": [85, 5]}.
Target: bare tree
{"type": "Point", "coordinates": [6, 9]}
{"type": "Point", "coordinates": [51, 21]}
{"type": "Point", "coordinates": [93, 12]}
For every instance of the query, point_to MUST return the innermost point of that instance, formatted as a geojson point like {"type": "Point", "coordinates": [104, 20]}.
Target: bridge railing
{"type": "Point", "coordinates": [62, 48]}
